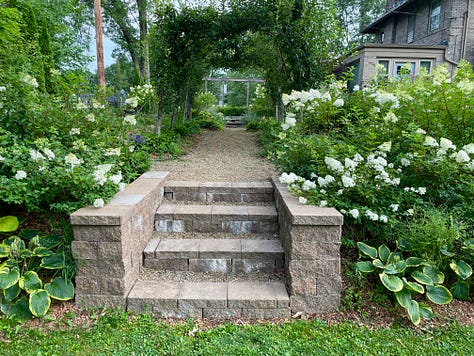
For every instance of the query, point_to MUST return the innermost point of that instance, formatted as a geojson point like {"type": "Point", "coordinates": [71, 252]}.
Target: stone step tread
{"type": "Point", "coordinates": [208, 248]}
{"type": "Point", "coordinates": [221, 187]}
{"type": "Point", "coordinates": [218, 295]}
{"type": "Point", "coordinates": [241, 212]}
{"type": "Point", "coordinates": [211, 248]}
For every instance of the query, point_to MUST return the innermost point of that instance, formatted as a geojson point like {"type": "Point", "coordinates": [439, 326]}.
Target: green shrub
{"type": "Point", "coordinates": [203, 101]}
{"type": "Point", "coordinates": [207, 120]}
{"type": "Point", "coordinates": [233, 110]}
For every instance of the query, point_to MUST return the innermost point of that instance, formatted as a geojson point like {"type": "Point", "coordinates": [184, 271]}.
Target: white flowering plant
{"type": "Point", "coordinates": [52, 162]}
{"type": "Point", "coordinates": [397, 149]}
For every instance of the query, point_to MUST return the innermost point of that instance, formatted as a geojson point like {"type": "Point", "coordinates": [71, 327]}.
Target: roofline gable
{"type": "Point", "coordinates": [372, 28]}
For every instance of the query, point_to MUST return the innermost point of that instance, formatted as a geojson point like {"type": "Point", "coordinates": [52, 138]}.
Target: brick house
{"type": "Point", "coordinates": [422, 33]}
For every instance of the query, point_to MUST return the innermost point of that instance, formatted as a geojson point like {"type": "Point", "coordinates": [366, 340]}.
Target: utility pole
{"type": "Point", "coordinates": [99, 39]}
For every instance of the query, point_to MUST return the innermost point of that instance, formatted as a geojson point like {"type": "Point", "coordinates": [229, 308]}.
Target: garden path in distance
{"type": "Point", "coordinates": [230, 155]}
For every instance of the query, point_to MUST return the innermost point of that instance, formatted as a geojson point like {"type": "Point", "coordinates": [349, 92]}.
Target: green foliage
{"type": "Point", "coordinates": [233, 110]}
{"type": "Point", "coordinates": [204, 101]}
{"type": "Point", "coordinates": [207, 120]}
{"type": "Point", "coordinates": [405, 278]}
{"type": "Point", "coordinates": [23, 258]}
{"type": "Point", "coordinates": [120, 333]}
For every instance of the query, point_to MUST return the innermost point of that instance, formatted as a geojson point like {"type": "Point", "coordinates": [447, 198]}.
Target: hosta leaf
{"type": "Point", "coordinates": [460, 290]}
{"type": "Point", "coordinates": [436, 276]}
{"type": "Point", "coordinates": [377, 263]}
{"type": "Point", "coordinates": [9, 277]}
{"type": "Point", "coordinates": [20, 310]}
{"type": "Point", "coordinates": [415, 262]}
{"type": "Point", "coordinates": [30, 281]}
{"type": "Point", "coordinates": [39, 302]}
{"type": "Point", "coordinates": [384, 252]}
{"type": "Point", "coordinates": [413, 286]}
{"type": "Point", "coordinates": [28, 234]}
{"type": "Point", "coordinates": [413, 311]}
{"type": "Point", "coordinates": [15, 243]}
{"type": "Point", "coordinates": [12, 292]}
{"type": "Point", "coordinates": [9, 223]}
{"type": "Point", "coordinates": [422, 278]}
{"type": "Point", "coordinates": [4, 250]}
{"type": "Point", "coordinates": [367, 250]}
{"type": "Point", "coordinates": [461, 268]}
{"type": "Point", "coordinates": [395, 257]}
{"type": "Point", "coordinates": [42, 252]}
{"type": "Point", "coordinates": [438, 294]}
{"type": "Point", "coordinates": [365, 266]}
{"type": "Point", "coordinates": [396, 268]}
{"type": "Point", "coordinates": [469, 244]}
{"type": "Point", "coordinates": [54, 261]}
{"type": "Point", "coordinates": [50, 241]}
{"type": "Point", "coordinates": [444, 251]}
{"type": "Point", "coordinates": [425, 311]}
{"type": "Point", "coordinates": [403, 298]}
{"type": "Point", "coordinates": [392, 283]}
{"type": "Point", "coordinates": [60, 289]}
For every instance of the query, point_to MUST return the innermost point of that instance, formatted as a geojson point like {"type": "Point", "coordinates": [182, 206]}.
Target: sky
{"type": "Point", "coordinates": [108, 49]}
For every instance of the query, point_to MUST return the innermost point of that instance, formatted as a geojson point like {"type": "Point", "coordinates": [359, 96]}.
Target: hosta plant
{"type": "Point", "coordinates": [26, 260]}
{"type": "Point", "coordinates": [406, 278]}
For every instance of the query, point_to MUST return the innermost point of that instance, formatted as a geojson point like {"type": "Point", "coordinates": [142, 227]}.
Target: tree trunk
{"type": "Point", "coordinates": [99, 43]}
{"type": "Point", "coordinates": [144, 48]}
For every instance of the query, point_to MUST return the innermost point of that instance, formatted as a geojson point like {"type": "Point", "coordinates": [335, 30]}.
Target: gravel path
{"type": "Point", "coordinates": [220, 156]}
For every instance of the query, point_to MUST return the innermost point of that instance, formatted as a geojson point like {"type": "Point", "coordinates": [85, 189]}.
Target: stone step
{"type": "Point", "coordinates": [236, 219]}
{"type": "Point", "coordinates": [215, 255]}
{"type": "Point", "coordinates": [217, 192]}
{"type": "Point", "coordinates": [214, 300]}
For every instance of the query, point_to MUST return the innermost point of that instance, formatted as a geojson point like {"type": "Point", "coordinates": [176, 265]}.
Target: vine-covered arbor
{"type": "Point", "coordinates": [287, 41]}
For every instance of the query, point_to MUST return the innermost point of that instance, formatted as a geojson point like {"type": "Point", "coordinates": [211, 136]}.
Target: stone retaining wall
{"type": "Point", "coordinates": [311, 239]}
{"type": "Point", "coordinates": [109, 242]}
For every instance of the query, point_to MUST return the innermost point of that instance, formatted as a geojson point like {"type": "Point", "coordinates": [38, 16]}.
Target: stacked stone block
{"type": "Point", "coordinates": [109, 241]}
{"type": "Point", "coordinates": [311, 238]}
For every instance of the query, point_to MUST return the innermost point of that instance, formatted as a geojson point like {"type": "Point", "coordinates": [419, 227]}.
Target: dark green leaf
{"type": "Point", "coordinates": [30, 281]}
{"type": "Point", "coordinates": [425, 311]}
{"type": "Point", "coordinates": [39, 302]}
{"type": "Point", "coordinates": [367, 250]}
{"type": "Point", "coordinates": [436, 276]}
{"type": "Point", "coordinates": [54, 261]}
{"type": "Point", "coordinates": [414, 312]}
{"type": "Point", "coordinates": [28, 234]}
{"type": "Point", "coordinates": [9, 277]}
{"type": "Point", "coordinates": [422, 278]}
{"type": "Point", "coordinates": [461, 290]}
{"type": "Point", "coordinates": [365, 266]}
{"type": "Point", "coordinates": [50, 241]}
{"type": "Point", "coordinates": [384, 253]}
{"type": "Point", "coordinates": [4, 250]}
{"type": "Point", "coordinates": [461, 268]}
{"type": "Point", "coordinates": [438, 294]}
{"type": "Point", "coordinates": [403, 298]}
{"type": "Point", "coordinates": [392, 283]}
{"type": "Point", "coordinates": [42, 252]}
{"type": "Point", "coordinates": [12, 292]}
{"type": "Point", "coordinates": [20, 310]}
{"type": "Point", "coordinates": [415, 262]}
{"type": "Point", "coordinates": [413, 286]}
{"type": "Point", "coordinates": [60, 289]}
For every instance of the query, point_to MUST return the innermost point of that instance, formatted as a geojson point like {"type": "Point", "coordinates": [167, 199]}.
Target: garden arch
{"type": "Point", "coordinates": [224, 80]}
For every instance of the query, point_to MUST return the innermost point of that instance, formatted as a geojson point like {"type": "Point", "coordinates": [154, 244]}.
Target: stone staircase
{"type": "Point", "coordinates": [216, 253]}
{"type": "Point", "coordinates": [184, 249]}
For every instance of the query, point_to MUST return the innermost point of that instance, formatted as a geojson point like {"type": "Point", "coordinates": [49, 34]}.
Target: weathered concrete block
{"type": "Point", "coordinates": [218, 265]}
{"type": "Point", "coordinates": [84, 250]}
{"type": "Point", "coordinates": [247, 265]}
{"type": "Point", "coordinates": [265, 313]}
{"type": "Point", "coordinates": [99, 301]}
{"type": "Point", "coordinates": [203, 295]}
{"type": "Point", "coordinates": [95, 233]}
{"type": "Point", "coordinates": [222, 314]}
{"type": "Point", "coordinates": [167, 264]}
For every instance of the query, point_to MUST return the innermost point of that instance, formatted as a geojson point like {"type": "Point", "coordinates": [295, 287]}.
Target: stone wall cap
{"type": "Point", "coordinates": [154, 175]}
{"type": "Point", "coordinates": [108, 215]}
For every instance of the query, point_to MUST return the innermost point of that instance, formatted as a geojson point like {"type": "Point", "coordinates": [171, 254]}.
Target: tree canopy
{"type": "Point", "coordinates": [291, 42]}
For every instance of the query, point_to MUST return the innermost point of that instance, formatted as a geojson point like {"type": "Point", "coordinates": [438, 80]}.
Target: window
{"type": "Point", "coordinates": [401, 69]}
{"type": "Point", "coordinates": [426, 65]}
{"type": "Point", "coordinates": [384, 63]}
{"type": "Point", "coordinates": [411, 28]}
{"type": "Point", "coordinates": [435, 15]}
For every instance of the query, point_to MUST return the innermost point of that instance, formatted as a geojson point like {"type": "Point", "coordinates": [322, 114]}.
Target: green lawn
{"type": "Point", "coordinates": [115, 334]}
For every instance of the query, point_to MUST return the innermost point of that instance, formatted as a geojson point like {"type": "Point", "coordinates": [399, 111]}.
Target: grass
{"type": "Point", "coordinates": [118, 333]}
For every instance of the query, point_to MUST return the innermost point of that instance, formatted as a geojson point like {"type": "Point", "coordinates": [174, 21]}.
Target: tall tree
{"type": "Point", "coordinates": [99, 43]}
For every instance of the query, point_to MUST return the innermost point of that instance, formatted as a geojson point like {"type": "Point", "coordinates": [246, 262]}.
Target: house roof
{"type": "Point", "coordinates": [374, 26]}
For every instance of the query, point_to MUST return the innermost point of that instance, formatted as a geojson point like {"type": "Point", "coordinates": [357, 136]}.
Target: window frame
{"type": "Point", "coordinates": [435, 16]}
{"type": "Point", "coordinates": [411, 28]}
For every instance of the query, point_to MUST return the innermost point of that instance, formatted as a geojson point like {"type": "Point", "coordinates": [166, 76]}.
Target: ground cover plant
{"type": "Point", "coordinates": [118, 333]}
{"type": "Point", "coordinates": [397, 159]}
